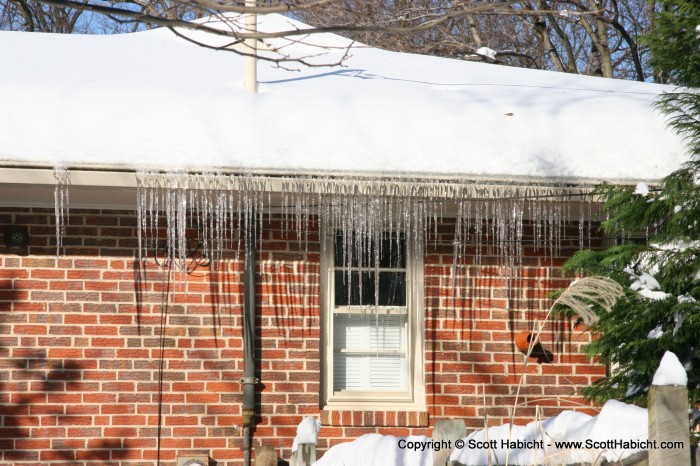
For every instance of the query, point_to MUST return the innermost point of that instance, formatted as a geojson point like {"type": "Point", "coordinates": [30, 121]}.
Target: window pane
{"type": "Point", "coordinates": [343, 252]}
{"type": "Point", "coordinates": [392, 252]}
{"type": "Point", "coordinates": [387, 373]}
{"type": "Point", "coordinates": [369, 332]}
{"type": "Point", "coordinates": [369, 372]}
{"type": "Point", "coordinates": [392, 288]}
{"type": "Point", "coordinates": [349, 372]}
{"type": "Point", "coordinates": [348, 291]}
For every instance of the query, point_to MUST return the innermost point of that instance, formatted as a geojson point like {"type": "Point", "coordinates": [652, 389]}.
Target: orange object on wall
{"type": "Point", "coordinates": [522, 341]}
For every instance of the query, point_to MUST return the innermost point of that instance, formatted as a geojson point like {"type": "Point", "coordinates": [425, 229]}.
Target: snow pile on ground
{"type": "Point", "coordinates": [477, 449]}
{"type": "Point", "coordinates": [616, 421]}
{"type": "Point", "coordinates": [670, 371]}
{"type": "Point", "coordinates": [307, 432]}
{"type": "Point", "coordinates": [619, 431]}
{"type": "Point", "coordinates": [379, 450]}
{"type": "Point", "coordinates": [535, 443]}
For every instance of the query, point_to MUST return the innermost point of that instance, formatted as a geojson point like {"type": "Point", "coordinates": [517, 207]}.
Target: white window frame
{"type": "Point", "coordinates": [414, 396]}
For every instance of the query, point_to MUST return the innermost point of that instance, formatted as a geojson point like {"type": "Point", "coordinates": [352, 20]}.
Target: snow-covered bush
{"type": "Point", "coordinates": [660, 310]}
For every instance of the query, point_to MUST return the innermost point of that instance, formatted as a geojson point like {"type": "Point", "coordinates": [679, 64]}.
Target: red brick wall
{"type": "Point", "coordinates": [94, 370]}
{"type": "Point", "coordinates": [471, 360]}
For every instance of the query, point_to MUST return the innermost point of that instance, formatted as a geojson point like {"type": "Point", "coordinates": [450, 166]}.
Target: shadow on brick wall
{"type": "Point", "coordinates": [41, 400]}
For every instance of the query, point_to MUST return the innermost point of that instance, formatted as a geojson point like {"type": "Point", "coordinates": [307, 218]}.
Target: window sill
{"type": "Point", "coordinates": [374, 418]}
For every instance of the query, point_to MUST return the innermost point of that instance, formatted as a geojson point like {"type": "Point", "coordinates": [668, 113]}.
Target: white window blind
{"type": "Point", "coordinates": [369, 352]}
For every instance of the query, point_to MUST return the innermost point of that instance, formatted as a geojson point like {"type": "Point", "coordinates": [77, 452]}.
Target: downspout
{"type": "Point", "coordinates": [249, 381]}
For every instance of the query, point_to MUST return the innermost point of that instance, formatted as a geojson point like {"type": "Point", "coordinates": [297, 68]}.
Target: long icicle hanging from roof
{"type": "Point", "coordinates": [61, 204]}
{"type": "Point", "coordinates": [489, 220]}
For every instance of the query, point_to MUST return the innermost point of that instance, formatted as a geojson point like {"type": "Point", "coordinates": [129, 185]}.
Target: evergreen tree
{"type": "Point", "coordinates": [660, 310]}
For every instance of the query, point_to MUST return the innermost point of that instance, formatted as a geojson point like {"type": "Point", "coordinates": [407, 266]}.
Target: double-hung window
{"type": "Point", "coordinates": [373, 325]}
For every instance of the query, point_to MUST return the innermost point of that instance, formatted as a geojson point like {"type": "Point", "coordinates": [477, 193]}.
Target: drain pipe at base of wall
{"type": "Point", "coordinates": [249, 381]}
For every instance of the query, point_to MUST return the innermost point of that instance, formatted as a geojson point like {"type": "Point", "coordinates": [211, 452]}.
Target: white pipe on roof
{"type": "Point", "coordinates": [251, 66]}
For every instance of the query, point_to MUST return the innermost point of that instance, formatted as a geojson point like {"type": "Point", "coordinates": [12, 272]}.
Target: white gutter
{"type": "Point", "coordinates": [117, 190]}
{"type": "Point", "coordinates": [129, 180]}
{"type": "Point", "coordinates": [100, 189]}
{"type": "Point", "coordinates": [125, 175]}
{"type": "Point", "coordinates": [40, 176]}
{"type": "Point", "coordinates": [31, 187]}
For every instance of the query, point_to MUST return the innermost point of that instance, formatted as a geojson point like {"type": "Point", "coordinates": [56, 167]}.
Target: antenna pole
{"type": "Point", "coordinates": [251, 65]}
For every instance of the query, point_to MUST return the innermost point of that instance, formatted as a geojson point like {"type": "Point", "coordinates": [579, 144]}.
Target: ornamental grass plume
{"type": "Point", "coordinates": [586, 292]}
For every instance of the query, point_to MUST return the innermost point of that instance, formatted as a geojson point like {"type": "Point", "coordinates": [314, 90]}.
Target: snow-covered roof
{"type": "Point", "coordinates": [151, 99]}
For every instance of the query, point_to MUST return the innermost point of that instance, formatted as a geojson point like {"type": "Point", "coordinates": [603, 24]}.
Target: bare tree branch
{"type": "Point", "coordinates": [435, 19]}
{"type": "Point", "coordinates": [575, 36]}
{"type": "Point", "coordinates": [27, 13]}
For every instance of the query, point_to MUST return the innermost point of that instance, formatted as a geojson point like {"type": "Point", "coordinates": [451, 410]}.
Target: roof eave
{"type": "Point", "coordinates": [101, 187]}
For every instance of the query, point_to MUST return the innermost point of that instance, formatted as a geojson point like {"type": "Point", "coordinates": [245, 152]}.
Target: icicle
{"type": "Point", "coordinates": [140, 221]}
{"type": "Point", "coordinates": [223, 209]}
{"type": "Point", "coordinates": [61, 202]}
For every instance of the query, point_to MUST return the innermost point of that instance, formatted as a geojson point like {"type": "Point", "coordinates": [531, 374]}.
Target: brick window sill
{"type": "Point", "coordinates": [362, 418]}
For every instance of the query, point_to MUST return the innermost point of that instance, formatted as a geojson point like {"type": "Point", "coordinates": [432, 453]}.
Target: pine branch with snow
{"type": "Point", "coordinates": [656, 263]}
{"type": "Point", "coordinates": [657, 230]}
